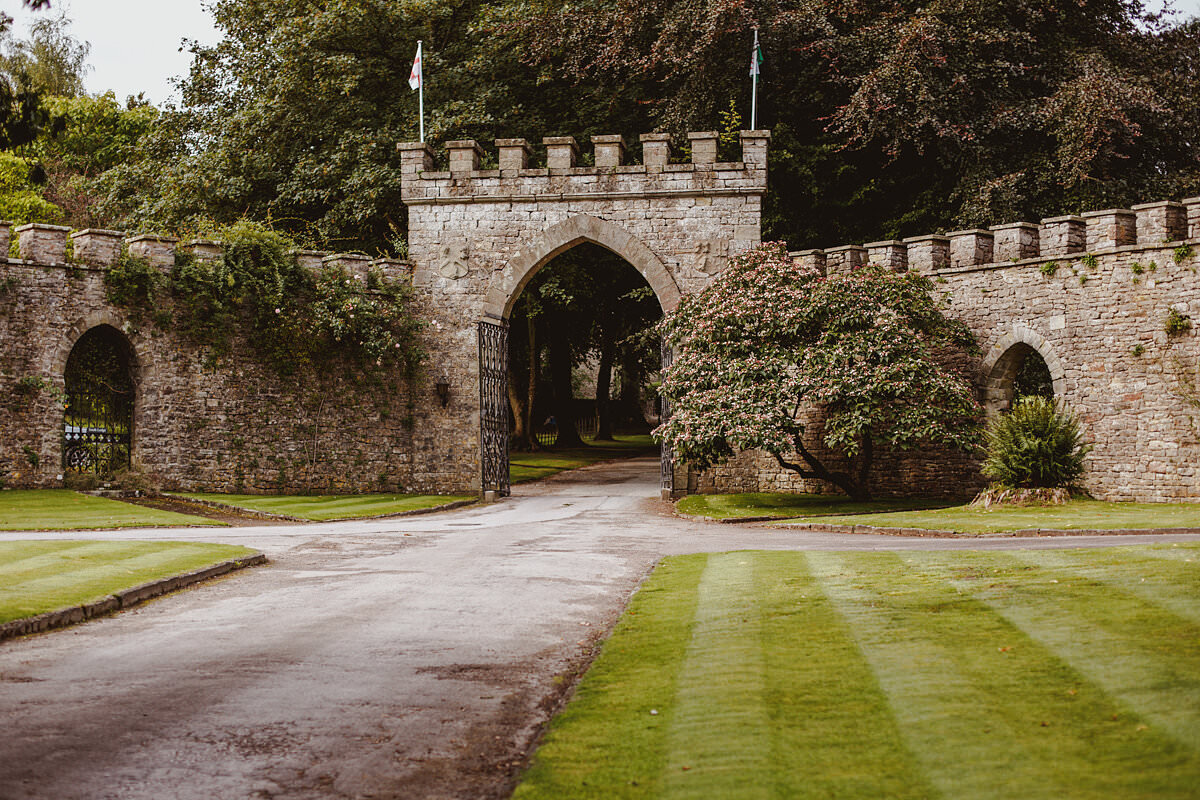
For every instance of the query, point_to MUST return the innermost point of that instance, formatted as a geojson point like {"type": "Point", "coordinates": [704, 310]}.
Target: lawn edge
{"type": "Point", "coordinates": [126, 598]}
{"type": "Point", "coordinates": [256, 514]}
{"type": "Point", "coordinates": [826, 527]}
{"type": "Point", "coordinates": [777, 517]}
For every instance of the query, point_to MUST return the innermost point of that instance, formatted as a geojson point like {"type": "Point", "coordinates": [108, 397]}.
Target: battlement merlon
{"type": "Point", "coordinates": [609, 178]}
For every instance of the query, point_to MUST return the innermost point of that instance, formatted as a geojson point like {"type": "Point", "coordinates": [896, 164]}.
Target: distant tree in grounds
{"type": "Point", "coordinates": [777, 357]}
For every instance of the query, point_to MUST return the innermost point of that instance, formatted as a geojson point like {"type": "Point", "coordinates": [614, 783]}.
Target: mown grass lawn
{"type": "Point", "coordinates": [1074, 515]}
{"type": "Point", "coordinates": [779, 504]}
{"type": "Point", "coordinates": [1031, 674]}
{"type": "Point", "coordinates": [62, 509]}
{"type": "Point", "coordinates": [41, 576]}
{"type": "Point", "coordinates": [544, 463]}
{"type": "Point", "coordinates": [324, 507]}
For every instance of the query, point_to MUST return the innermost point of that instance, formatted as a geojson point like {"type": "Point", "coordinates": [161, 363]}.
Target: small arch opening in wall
{"type": "Point", "coordinates": [1020, 372]}
{"type": "Point", "coordinates": [101, 390]}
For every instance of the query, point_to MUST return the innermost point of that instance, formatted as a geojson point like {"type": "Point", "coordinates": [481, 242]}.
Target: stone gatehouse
{"type": "Point", "coordinates": [1091, 295]}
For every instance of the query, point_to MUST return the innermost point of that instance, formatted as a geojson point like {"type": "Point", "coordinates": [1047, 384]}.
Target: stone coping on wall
{"type": "Point", "coordinates": [1146, 226]}
{"type": "Point", "coordinates": [1069, 257]}
{"type": "Point", "coordinates": [45, 246]}
{"type": "Point", "coordinates": [562, 179]}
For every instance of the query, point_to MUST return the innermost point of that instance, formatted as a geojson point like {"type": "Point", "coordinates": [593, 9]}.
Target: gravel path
{"type": "Point", "coordinates": [405, 658]}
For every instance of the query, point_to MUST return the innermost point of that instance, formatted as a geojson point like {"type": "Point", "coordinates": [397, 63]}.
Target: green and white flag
{"type": "Point", "coordinates": [756, 57]}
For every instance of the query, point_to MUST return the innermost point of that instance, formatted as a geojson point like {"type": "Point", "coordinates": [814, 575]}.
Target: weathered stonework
{"type": "Point", "coordinates": [476, 238]}
{"type": "Point", "coordinates": [229, 426]}
{"type": "Point", "coordinates": [1091, 295]}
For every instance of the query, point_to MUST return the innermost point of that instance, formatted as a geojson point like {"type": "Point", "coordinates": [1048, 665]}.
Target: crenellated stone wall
{"type": "Point", "coordinates": [228, 425]}
{"type": "Point", "coordinates": [477, 236]}
{"type": "Point", "coordinates": [1091, 294]}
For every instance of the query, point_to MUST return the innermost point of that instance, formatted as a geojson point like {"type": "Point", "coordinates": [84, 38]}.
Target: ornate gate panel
{"type": "Point", "coordinates": [97, 432]}
{"type": "Point", "coordinates": [493, 406]}
{"type": "Point", "coordinates": [668, 455]}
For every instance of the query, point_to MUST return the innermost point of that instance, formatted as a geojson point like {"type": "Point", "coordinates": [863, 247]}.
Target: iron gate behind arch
{"type": "Point", "coordinates": [493, 407]}
{"type": "Point", "coordinates": [98, 431]}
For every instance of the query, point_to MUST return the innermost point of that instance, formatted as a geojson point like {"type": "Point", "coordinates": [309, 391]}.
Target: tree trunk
{"type": "Point", "coordinates": [521, 396]}
{"type": "Point", "coordinates": [564, 399]}
{"type": "Point", "coordinates": [630, 401]}
{"type": "Point", "coordinates": [608, 352]}
{"type": "Point", "coordinates": [531, 385]}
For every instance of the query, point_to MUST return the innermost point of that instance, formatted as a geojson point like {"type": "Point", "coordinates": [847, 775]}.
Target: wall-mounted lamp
{"type": "Point", "coordinates": [443, 391]}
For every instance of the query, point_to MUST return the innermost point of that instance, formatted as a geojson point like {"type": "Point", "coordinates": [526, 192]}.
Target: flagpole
{"type": "Point", "coordinates": [754, 84]}
{"type": "Point", "coordinates": [421, 89]}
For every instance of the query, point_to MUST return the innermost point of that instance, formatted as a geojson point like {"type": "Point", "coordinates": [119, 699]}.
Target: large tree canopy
{"type": "Point", "coordinates": [890, 117]}
{"type": "Point", "coordinates": [775, 356]}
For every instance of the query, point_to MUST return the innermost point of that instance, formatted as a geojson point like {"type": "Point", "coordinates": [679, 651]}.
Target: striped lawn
{"type": "Point", "coordinates": [1062, 674]}
{"type": "Point", "coordinates": [49, 575]}
{"type": "Point", "coordinates": [62, 509]}
{"type": "Point", "coordinates": [325, 507]}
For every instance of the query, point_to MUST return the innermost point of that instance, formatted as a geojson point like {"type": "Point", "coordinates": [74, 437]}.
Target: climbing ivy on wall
{"type": "Point", "coordinates": [257, 293]}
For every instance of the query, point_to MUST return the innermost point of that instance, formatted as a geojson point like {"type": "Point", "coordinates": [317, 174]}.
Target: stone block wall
{"type": "Point", "coordinates": [477, 236]}
{"type": "Point", "coordinates": [1091, 294]}
{"type": "Point", "coordinates": [233, 425]}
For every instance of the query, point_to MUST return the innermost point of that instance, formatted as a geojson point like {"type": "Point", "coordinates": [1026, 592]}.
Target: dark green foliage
{"type": "Point", "coordinates": [1177, 323]}
{"type": "Point", "coordinates": [1037, 445]}
{"type": "Point", "coordinates": [132, 282]}
{"type": "Point", "coordinates": [293, 319]}
{"type": "Point", "coordinates": [1033, 377]}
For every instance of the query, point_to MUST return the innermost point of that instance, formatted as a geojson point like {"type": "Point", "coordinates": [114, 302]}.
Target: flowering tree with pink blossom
{"type": "Point", "coordinates": [775, 356]}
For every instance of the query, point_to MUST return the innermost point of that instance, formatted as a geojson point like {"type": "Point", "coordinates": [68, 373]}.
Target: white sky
{"type": "Point", "coordinates": [136, 43]}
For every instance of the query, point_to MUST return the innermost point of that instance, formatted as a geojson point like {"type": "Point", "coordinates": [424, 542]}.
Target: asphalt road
{"type": "Point", "coordinates": [407, 658]}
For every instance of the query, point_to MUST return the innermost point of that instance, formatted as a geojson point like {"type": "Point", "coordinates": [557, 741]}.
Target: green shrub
{"type": "Point", "coordinates": [1177, 322]}
{"type": "Point", "coordinates": [1037, 445]}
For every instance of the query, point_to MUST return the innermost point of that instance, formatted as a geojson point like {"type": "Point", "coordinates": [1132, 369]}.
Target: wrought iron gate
{"type": "Point", "coordinates": [668, 455]}
{"type": "Point", "coordinates": [97, 432]}
{"type": "Point", "coordinates": [493, 406]}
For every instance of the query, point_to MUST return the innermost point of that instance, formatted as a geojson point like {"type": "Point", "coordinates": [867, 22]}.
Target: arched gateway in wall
{"type": "Point", "coordinates": [477, 236]}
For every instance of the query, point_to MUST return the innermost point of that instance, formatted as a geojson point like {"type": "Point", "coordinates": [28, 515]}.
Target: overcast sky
{"type": "Point", "coordinates": [136, 43]}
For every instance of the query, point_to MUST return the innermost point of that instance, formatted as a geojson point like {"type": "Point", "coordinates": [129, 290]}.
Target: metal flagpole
{"type": "Point", "coordinates": [754, 84]}
{"type": "Point", "coordinates": [421, 88]}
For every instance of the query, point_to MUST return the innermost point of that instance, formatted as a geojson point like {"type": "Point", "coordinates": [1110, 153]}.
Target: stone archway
{"type": "Point", "coordinates": [508, 283]}
{"type": "Point", "coordinates": [1002, 361]}
{"type": "Point", "coordinates": [502, 295]}
{"type": "Point", "coordinates": [476, 236]}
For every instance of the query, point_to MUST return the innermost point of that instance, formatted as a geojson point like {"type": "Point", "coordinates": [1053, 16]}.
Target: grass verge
{"type": "Point", "coordinates": [779, 504]}
{"type": "Point", "coordinates": [544, 463]}
{"type": "Point", "coordinates": [62, 509]}
{"type": "Point", "coordinates": [1069, 674]}
{"type": "Point", "coordinates": [41, 576]}
{"type": "Point", "coordinates": [324, 507]}
{"type": "Point", "coordinates": [1075, 515]}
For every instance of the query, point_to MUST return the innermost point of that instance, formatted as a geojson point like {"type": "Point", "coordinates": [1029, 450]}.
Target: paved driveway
{"type": "Point", "coordinates": [407, 658]}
